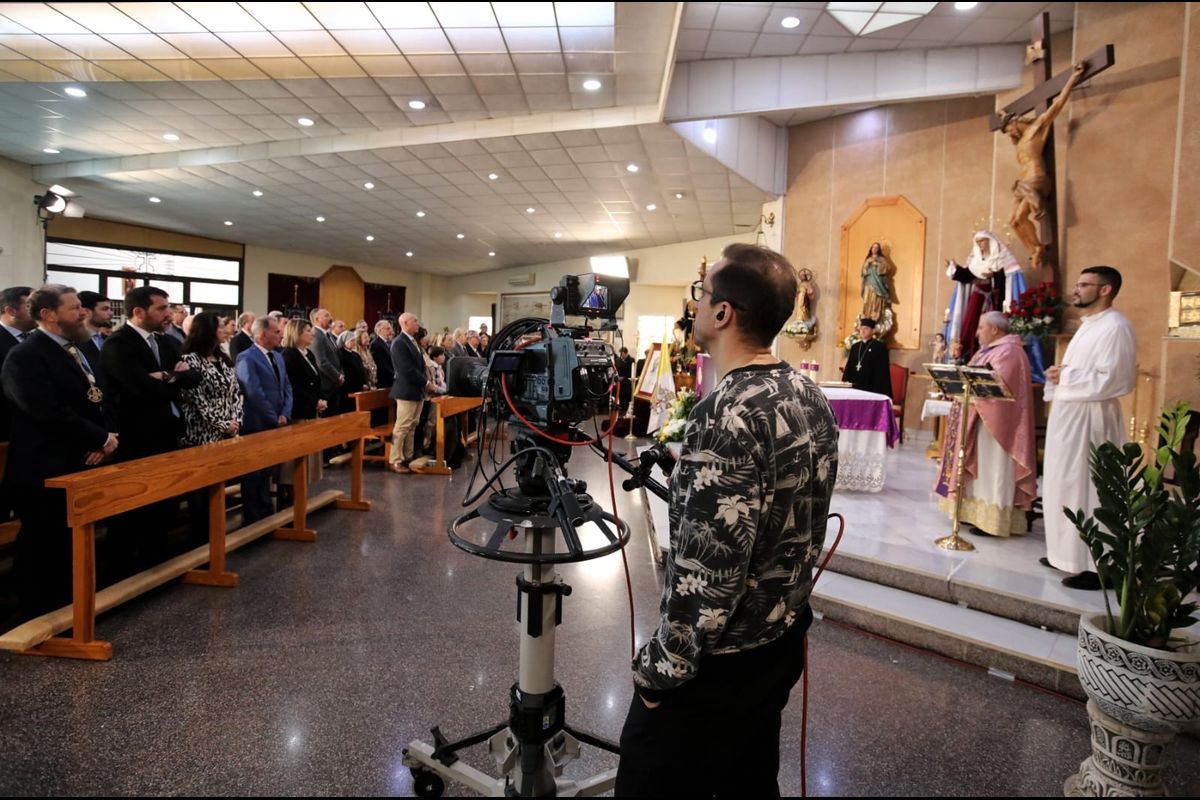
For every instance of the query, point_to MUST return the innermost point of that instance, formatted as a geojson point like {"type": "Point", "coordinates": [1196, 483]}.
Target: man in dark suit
{"type": "Point", "coordinates": [174, 324]}
{"type": "Point", "coordinates": [58, 428]}
{"type": "Point", "coordinates": [867, 365]}
{"type": "Point", "coordinates": [16, 324]}
{"type": "Point", "coordinates": [382, 353]}
{"type": "Point", "coordinates": [244, 338]}
{"type": "Point", "coordinates": [409, 388]}
{"type": "Point", "coordinates": [263, 376]}
{"type": "Point", "coordinates": [98, 321]}
{"type": "Point", "coordinates": [325, 348]}
{"type": "Point", "coordinates": [143, 381]}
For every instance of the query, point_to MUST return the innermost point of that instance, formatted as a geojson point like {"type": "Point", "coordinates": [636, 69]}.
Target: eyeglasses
{"type": "Point", "coordinates": [698, 291]}
{"type": "Point", "coordinates": [1085, 285]}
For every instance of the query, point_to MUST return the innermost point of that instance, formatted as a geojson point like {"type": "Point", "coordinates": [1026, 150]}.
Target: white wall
{"type": "Point", "coordinates": [660, 287]}
{"type": "Point", "coordinates": [262, 260]}
{"type": "Point", "coordinates": [22, 246]}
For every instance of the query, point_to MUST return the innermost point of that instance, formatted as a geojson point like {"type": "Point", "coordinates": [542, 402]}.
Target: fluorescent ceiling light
{"type": "Point", "coordinates": [651, 207]}
{"type": "Point", "coordinates": [964, 6]}
{"type": "Point", "coordinates": [632, 167]}
{"type": "Point", "coordinates": [228, 222]}
{"type": "Point", "coordinates": [460, 236]}
{"type": "Point", "coordinates": [420, 213]}
{"type": "Point", "coordinates": [616, 266]}
{"type": "Point", "coordinates": [257, 193]}
{"type": "Point", "coordinates": [370, 238]}
{"type": "Point", "coordinates": [155, 200]}
{"type": "Point", "coordinates": [491, 253]}
{"type": "Point", "coordinates": [709, 135]}
{"type": "Point", "coordinates": [368, 186]}
{"type": "Point", "coordinates": [530, 210]}
{"type": "Point", "coordinates": [409, 254]}
{"type": "Point", "coordinates": [864, 18]}
{"type": "Point", "coordinates": [51, 151]}
{"type": "Point", "coordinates": [320, 219]}
{"type": "Point", "coordinates": [493, 176]}
{"type": "Point", "coordinates": [592, 85]}
{"type": "Point", "coordinates": [75, 91]}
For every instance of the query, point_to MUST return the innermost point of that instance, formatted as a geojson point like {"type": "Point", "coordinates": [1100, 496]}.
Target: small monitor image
{"type": "Point", "coordinates": [597, 299]}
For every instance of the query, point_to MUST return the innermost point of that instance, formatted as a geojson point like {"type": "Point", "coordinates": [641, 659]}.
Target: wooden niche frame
{"type": "Point", "coordinates": [900, 227]}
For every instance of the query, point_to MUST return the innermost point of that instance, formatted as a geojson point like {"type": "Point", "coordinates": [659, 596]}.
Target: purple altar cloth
{"type": "Point", "coordinates": [863, 411]}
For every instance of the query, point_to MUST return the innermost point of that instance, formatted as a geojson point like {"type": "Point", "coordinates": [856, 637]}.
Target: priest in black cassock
{"type": "Point", "coordinates": [867, 368]}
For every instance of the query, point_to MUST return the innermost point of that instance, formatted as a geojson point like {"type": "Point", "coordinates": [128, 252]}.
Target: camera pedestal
{"type": "Point", "coordinates": [534, 745]}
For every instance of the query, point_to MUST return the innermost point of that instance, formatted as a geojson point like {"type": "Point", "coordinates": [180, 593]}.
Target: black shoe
{"type": "Point", "coordinates": [1045, 562]}
{"type": "Point", "coordinates": [1088, 581]}
{"type": "Point", "coordinates": [975, 530]}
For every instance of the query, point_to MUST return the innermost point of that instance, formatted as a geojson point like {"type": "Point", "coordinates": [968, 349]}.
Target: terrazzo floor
{"type": "Point", "coordinates": [312, 675]}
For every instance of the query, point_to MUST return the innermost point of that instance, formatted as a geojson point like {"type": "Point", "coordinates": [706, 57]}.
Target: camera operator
{"type": "Point", "coordinates": [749, 500]}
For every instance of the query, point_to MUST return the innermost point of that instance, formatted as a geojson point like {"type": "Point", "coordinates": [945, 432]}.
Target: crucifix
{"type": "Point", "coordinates": [1034, 217]}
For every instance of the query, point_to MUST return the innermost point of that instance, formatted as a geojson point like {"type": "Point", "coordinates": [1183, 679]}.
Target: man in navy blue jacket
{"type": "Point", "coordinates": [409, 388]}
{"type": "Point", "coordinates": [264, 380]}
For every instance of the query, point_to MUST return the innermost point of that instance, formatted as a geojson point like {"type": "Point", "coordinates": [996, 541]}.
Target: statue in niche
{"type": "Point", "coordinates": [1028, 218]}
{"type": "Point", "coordinates": [877, 296]}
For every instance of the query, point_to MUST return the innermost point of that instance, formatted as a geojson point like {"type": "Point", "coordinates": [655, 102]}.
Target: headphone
{"type": "Point", "coordinates": [720, 315]}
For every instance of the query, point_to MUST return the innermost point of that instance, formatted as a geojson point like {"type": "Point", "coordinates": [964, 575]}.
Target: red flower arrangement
{"type": "Point", "coordinates": [1038, 311]}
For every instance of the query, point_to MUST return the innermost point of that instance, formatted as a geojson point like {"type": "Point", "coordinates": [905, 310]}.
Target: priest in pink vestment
{"type": "Point", "coordinates": [1000, 470]}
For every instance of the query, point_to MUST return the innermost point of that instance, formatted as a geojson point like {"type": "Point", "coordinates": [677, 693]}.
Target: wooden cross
{"type": "Point", "coordinates": [1039, 100]}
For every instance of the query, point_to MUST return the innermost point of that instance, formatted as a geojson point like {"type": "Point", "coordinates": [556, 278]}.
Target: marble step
{"type": "Point", "coordinates": [1008, 648]}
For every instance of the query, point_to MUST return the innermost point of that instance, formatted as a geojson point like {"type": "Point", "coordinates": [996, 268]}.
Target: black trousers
{"type": "Point", "coordinates": [718, 734]}
{"type": "Point", "coordinates": [42, 563]}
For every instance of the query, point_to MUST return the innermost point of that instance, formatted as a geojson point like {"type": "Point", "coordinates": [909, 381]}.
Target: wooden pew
{"type": "Point", "coordinates": [109, 490]}
{"type": "Point", "coordinates": [369, 401]}
{"type": "Point", "coordinates": [446, 407]}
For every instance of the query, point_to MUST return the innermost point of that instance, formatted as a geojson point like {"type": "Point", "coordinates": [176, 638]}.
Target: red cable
{"type": "Point", "coordinates": [804, 674]}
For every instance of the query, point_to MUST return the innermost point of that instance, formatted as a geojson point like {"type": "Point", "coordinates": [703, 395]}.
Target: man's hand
{"type": "Point", "coordinates": [232, 428]}
{"type": "Point", "coordinates": [341, 380]}
{"type": "Point", "coordinates": [322, 405]}
{"type": "Point", "coordinates": [93, 458]}
{"type": "Point", "coordinates": [181, 366]}
{"type": "Point", "coordinates": [159, 376]}
{"type": "Point", "coordinates": [282, 420]}
{"type": "Point", "coordinates": [1052, 374]}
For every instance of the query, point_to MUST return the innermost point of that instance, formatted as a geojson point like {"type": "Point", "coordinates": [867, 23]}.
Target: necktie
{"type": "Point", "coordinates": [275, 367]}
{"type": "Point", "coordinates": [152, 340]}
{"type": "Point", "coordinates": [93, 393]}
{"type": "Point", "coordinates": [22, 336]}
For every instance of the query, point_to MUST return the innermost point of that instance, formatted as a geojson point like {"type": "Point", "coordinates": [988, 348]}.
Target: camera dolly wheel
{"type": "Point", "coordinates": [427, 783]}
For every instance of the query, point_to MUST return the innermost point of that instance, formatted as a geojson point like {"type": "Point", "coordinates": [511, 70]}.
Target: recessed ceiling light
{"type": "Point", "coordinates": [420, 213]}
{"type": "Point", "coordinates": [368, 185]}
{"type": "Point", "coordinates": [493, 176]}
{"type": "Point", "coordinates": [964, 6]}
{"type": "Point", "coordinates": [370, 238]}
{"type": "Point", "coordinates": [228, 222]}
{"type": "Point", "coordinates": [592, 85]}
{"type": "Point", "coordinates": [679, 195]}
{"type": "Point", "coordinates": [790, 22]}
{"type": "Point", "coordinates": [409, 254]}
{"type": "Point", "coordinates": [75, 91]}
{"type": "Point", "coordinates": [632, 167]}
{"type": "Point", "coordinates": [460, 236]}
{"type": "Point", "coordinates": [491, 253]}
{"type": "Point", "coordinates": [306, 122]}
{"type": "Point", "coordinates": [171, 137]}
{"type": "Point", "coordinates": [51, 150]}
{"type": "Point", "coordinates": [558, 235]}
{"type": "Point", "coordinates": [257, 193]}
{"type": "Point", "coordinates": [155, 200]}
{"type": "Point", "coordinates": [320, 219]}
{"type": "Point", "coordinates": [710, 135]}
{"type": "Point", "coordinates": [651, 207]}
{"type": "Point", "coordinates": [416, 105]}
{"type": "Point", "coordinates": [530, 210]}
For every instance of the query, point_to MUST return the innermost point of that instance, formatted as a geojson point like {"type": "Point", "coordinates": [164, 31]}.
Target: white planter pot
{"type": "Point", "coordinates": [1139, 698]}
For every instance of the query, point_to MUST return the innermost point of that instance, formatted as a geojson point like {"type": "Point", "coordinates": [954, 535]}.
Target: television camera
{"type": "Point", "coordinates": [544, 379]}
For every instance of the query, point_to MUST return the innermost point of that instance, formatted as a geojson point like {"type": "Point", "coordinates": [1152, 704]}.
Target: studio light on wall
{"type": "Point", "coordinates": [54, 202]}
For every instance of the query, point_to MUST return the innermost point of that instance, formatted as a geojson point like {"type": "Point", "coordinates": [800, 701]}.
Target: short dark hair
{"type": "Point", "coordinates": [1108, 275]}
{"type": "Point", "coordinates": [624, 350]}
{"type": "Point", "coordinates": [90, 300]}
{"type": "Point", "coordinates": [48, 297]}
{"type": "Point", "coordinates": [14, 296]}
{"type": "Point", "coordinates": [141, 297]}
{"type": "Point", "coordinates": [435, 351]}
{"type": "Point", "coordinates": [759, 283]}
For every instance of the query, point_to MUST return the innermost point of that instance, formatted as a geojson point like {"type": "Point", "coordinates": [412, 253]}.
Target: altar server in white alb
{"type": "Point", "coordinates": [1099, 367]}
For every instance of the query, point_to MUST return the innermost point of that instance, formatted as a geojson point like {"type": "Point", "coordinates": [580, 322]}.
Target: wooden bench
{"type": "Point", "coordinates": [446, 407]}
{"type": "Point", "coordinates": [106, 491]}
{"type": "Point", "coordinates": [370, 401]}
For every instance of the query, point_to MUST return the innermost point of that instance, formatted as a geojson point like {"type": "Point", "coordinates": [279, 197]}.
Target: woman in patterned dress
{"type": "Point", "coordinates": [212, 410]}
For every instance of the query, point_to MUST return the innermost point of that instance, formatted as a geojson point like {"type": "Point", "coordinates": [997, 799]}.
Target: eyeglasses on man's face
{"type": "Point", "coordinates": [698, 291]}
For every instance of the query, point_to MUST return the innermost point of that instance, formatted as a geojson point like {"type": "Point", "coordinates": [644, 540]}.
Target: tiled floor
{"type": "Point", "coordinates": [313, 674]}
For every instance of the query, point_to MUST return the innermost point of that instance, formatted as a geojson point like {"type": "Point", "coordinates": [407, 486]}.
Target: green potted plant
{"type": "Point", "coordinates": [1142, 682]}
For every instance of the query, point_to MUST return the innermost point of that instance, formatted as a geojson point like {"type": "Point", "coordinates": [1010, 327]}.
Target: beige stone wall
{"type": "Point", "coordinates": [1128, 158]}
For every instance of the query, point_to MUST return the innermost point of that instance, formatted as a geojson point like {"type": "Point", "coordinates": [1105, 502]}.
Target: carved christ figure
{"type": "Point", "coordinates": [1028, 218]}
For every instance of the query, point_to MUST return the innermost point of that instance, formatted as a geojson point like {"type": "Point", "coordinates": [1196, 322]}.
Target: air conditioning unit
{"type": "Point", "coordinates": [528, 279]}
